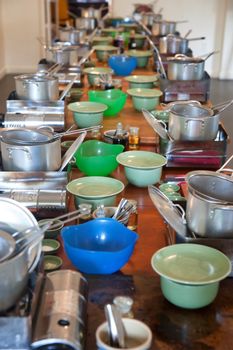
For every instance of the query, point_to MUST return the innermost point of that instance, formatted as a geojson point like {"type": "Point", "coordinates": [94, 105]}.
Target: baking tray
{"type": "Point", "coordinates": [196, 154]}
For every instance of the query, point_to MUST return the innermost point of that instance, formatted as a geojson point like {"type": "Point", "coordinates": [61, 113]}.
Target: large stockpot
{"type": "Point", "coordinates": [72, 35]}
{"type": "Point", "coordinates": [191, 121]}
{"type": "Point", "coordinates": [182, 67]}
{"type": "Point", "coordinates": [89, 23]}
{"type": "Point", "coordinates": [209, 210]}
{"type": "Point", "coordinates": [37, 87]}
{"type": "Point", "coordinates": [34, 152]}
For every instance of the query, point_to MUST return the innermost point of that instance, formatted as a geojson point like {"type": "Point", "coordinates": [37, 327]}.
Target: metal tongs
{"type": "Point", "coordinates": [124, 209]}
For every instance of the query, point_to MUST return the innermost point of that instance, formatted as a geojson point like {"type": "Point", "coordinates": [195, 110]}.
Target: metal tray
{"type": "Point", "coordinates": [196, 154]}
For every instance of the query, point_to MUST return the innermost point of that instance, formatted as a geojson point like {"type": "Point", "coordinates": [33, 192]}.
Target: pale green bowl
{"type": "Point", "coordinates": [142, 168]}
{"type": "Point", "coordinates": [190, 273]}
{"type": "Point", "coordinates": [102, 40]}
{"type": "Point", "coordinates": [95, 190]}
{"type": "Point", "coordinates": [95, 72]}
{"type": "Point", "coordinates": [141, 81]}
{"type": "Point", "coordinates": [103, 52]}
{"type": "Point", "coordinates": [139, 39]}
{"type": "Point", "coordinates": [87, 113]}
{"type": "Point", "coordinates": [145, 98]}
{"type": "Point", "coordinates": [142, 57]}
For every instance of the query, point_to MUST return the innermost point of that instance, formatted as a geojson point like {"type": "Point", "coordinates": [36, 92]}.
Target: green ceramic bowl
{"type": "Point", "coordinates": [142, 57]}
{"type": "Point", "coordinates": [50, 246]}
{"type": "Point", "coordinates": [145, 98]}
{"type": "Point", "coordinates": [103, 52]}
{"type": "Point", "coordinates": [52, 263]}
{"type": "Point", "coordinates": [52, 233]}
{"type": "Point", "coordinates": [113, 32]}
{"type": "Point", "coordinates": [161, 115]}
{"type": "Point", "coordinates": [87, 114]}
{"type": "Point", "coordinates": [190, 273]}
{"type": "Point", "coordinates": [95, 190]}
{"type": "Point", "coordinates": [114, 98]}
{"type": "Point", "coordinates": [96, 158]}
{"type": "Point", "coordinates": [169, 188]}
{"type": "Point", "coordinates": [141, 81]}
{"type": "Point", "coordinates": [102, 40]}
{"type": "Point", "coordinates": [142, 168]}
{"type": "Point", "coordinates": [139, 39]}
{"type": "Point", "coordinates": [95, 72]}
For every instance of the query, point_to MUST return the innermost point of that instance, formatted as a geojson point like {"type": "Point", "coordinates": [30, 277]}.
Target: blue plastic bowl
{"type": "Point", "coordinates": [100, 246]}
{"type": "Point", "coordinates": [122, 64]}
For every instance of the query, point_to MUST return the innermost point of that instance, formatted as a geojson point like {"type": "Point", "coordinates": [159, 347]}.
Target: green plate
{"type": "Point", "coordinates": [50, 246]}
{"type": "Point", "coordinates": [95, 187]}
{"type": "Point", "coordinates": [141, 78]}
{"type": "Point", "coordinates": [189, 263]}
{"type": "Point", "coordinates": [139, 53]}
{"type": "Point", "coordinates": [168, 187]}
{"type": "Point", "coordinates": [98, 70]}
{"type": "Point", "coordinates": [87, 107]}
{"type": "Point", "coordinates": [52, 262]}
{"type": "Point", "coordinates": [140, 92]}
{"type": "Point", "coordinates": [141, 159]}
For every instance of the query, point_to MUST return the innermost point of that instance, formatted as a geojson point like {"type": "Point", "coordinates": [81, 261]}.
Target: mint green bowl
{"type": "Point", "coordinates": [141, 81]}
{"type": "Point", "coordinates": [139, 39]}
{"type": "Point", "coordinates": [95, 190]}
{"type": "Point", "coordinates": [142, 57]}
{"type": "Point", "coordinates": [145, 98]}
{"type": "Point", "coordinates": [142, 168]}
{"type": "Point", "coordinates": [103, 52]}
{"type": "Point", "coordinates": [102, 40]}
{"type": "Point", "coordinates": [114, 98]}
{"type": "Point", "coordinates": [95, 72]}
{"type": "Point", "coordinates": [87, 113]}
{"type": "Point", "coordinates": [190, 273]}
{"type": "Point", "coordinates": [112, 32]}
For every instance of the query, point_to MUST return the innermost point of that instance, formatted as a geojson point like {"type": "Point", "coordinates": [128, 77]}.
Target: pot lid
{"type": "Point", "coordinates": [71, 150]}
{"type": "Point", "coordinates": [169, 211]}
{"type": "Point", "coordinates": [35, 78]}
{"type": "Point", "coordinates": [157, 125]}
{"type": "Point", "coordinates": [180, 58]}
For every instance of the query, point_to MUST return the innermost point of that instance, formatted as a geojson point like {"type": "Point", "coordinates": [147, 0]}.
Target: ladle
{"type": "Point", "coordinates": [116, 327]}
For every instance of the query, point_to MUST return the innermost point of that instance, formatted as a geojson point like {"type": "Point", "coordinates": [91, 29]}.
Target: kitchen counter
{"type": "Point", "coordinates": [172, 327]}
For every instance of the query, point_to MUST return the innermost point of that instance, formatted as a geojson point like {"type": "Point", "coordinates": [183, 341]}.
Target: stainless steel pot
{"type": "Point", "coordinates": [37, 87]}
{"type": "Point", "coordinates": [72, 35]}
{"type": "Point", "coordinates": [162, 28]}
{"type": "Point", "coordinates": [29, 155]}
{"type": "Point", "coordinates": [174, 44]}
{"type": "Point", "coordinates": [192, 122]}
{"type": "Point", "coordinates": [148, 18]}
{"type": "Point", "coordinates": [209, 210]}
{"type": "Point", "coordinates": [66, 55]}
{"type": "Point", "coordinates": [89, 23]}
{"type": "Point", "coordinates": [182, 67]}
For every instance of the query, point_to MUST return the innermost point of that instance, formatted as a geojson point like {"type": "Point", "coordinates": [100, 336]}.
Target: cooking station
{"type": "Point", "coordinates": [62, 309]}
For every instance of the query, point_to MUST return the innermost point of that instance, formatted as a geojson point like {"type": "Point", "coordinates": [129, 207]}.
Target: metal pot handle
{"type": "Point", "coordinates": [27, 151]}
{"type": "Point", "coordinates": [223, 166]}
{"type": "Point", "coordinates": [181, 210]}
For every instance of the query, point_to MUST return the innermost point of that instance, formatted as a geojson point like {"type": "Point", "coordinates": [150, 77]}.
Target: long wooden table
{"type": "Point", "coordinates": [172, 327]}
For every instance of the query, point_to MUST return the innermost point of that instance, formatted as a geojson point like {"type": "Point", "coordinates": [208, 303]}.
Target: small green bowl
{"type": "Point", "coordinates": [113, 32]}
{"type": "Point", "coordinates": [97, 158]}
{"type": "Point", "coordinates": [103, 52]}
{"type": "Point", "coordinates": [169, 188]}
{"type": "Point", "coordinates": [141, 81]}
{"type": "Point", "coordinates": [50, 246]}
{"type": "Point", "coordinates": [95, 190]}
{"type": "Point", "coordinates": [142, 168]}
{"type": "Point", "coordinates": [102, 40]}
{"type": "Point", "coordinates": [114, 98]}
{"type": "Point", "coordinates": [87, 113]}
{"type": "Point", "coordinates": [52, 263]}
{"type": "Point", "coordinates": [161, 115]}
{"type": "Point", "coordinates": [142, 57]}
{"type": "Point", "coordinates": [140, 40]}
{"type": "Point", "coordinates": [95, 72]}
{"type": "Point", "coordinates": [145, 98]}
{"type": "Point", "coordinates": [52, 233]}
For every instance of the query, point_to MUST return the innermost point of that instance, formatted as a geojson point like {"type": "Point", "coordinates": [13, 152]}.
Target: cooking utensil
{"type": "Point", "coordinates": [209, 205]}
{"type": "Point", "coordinates": [162, 70]}
{"type": "Point", "coordinates": [116, 327]}
{"type": "Point", "coordinates": [182, 67]}
{"type": "Point", "coordinates": [173, 214]}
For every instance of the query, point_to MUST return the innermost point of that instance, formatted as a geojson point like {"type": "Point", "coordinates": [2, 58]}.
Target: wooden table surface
{"type": "Point", "coordinates": [173, 328]}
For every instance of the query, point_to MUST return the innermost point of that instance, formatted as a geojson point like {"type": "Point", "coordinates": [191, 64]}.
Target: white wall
{"type": "Point", "coordinates": [2, 47]}
{"type": "Point", "coordinates": [205, 18]}
{"type": "Point", "coordinates": [22, 24]}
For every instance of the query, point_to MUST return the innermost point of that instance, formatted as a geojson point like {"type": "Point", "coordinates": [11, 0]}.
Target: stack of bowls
{"type": "Point", "coordinates": [103, 52]}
